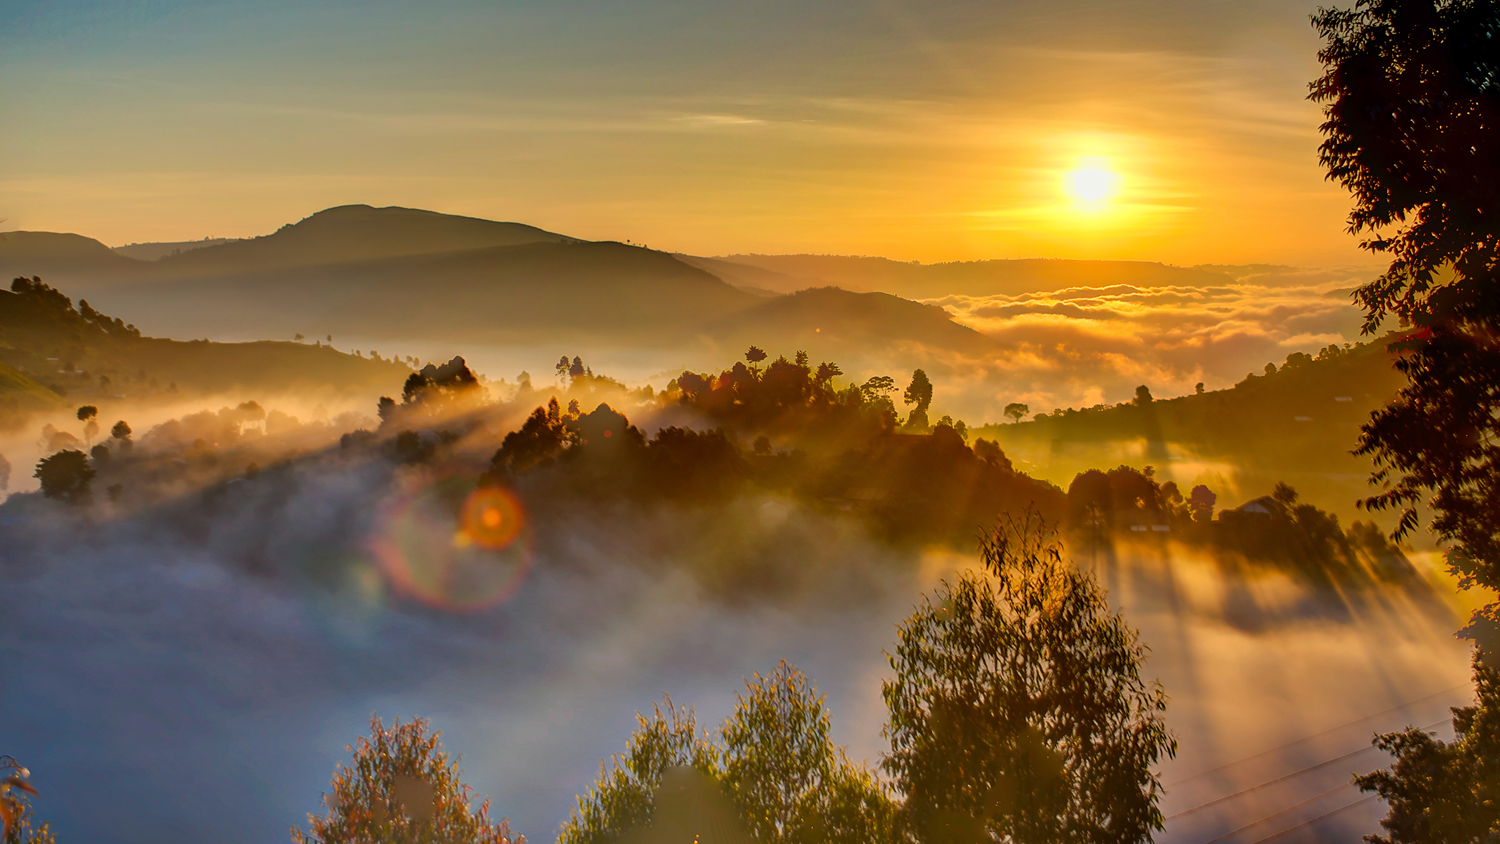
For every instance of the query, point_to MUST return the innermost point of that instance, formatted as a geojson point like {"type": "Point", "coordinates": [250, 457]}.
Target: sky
{"type": "Point", "coordinates": [931, 131]}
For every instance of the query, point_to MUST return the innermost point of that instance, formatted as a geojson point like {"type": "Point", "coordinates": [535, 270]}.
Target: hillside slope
{"type": "Point", "coordinates": [834, 324]}
{"type": "Point", "coordinates": [501, 295]}
{"type": "Point", "coordinates": [52, 353]}
{"type": "Point", "coordinates": [1298, 425]}
{"type": "Point", "coordinates": [63, 256]}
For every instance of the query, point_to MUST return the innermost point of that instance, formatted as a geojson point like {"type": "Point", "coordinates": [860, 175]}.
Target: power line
{"type": "Point", "coordinates": [1316, 735]}
{"type": "Point", "coordinates": [1340, 809]}
{"type": "Point", "coordinates": [1234, 832]}
{"type": "Point", "coordinates": [1282, 778]}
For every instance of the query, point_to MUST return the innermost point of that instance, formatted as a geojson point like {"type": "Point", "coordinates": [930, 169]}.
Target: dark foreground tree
{"type": "Point", "coordinates": [1441, 792]}
{"type": "Point", "coordinates": [65, 476]}
{"type": "Point", "coordinates": [1018, 712]}
{"type": "Point", "coordinates": [402, 789]}
{"type": "Point", "coordinates": [1411, 96]}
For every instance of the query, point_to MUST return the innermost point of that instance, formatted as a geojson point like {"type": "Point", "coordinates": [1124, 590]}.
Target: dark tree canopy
{"type": "Point", "coordinates": [1411, 95]}
{"type": "Point", "coordinates": [65, 476]}
{"type": "Point", "coordinates": [1444, 791]}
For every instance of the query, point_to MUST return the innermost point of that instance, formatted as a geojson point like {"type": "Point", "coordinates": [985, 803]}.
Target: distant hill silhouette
{"type": "Point", "coordinates": [157, 251]}
{"type": "Point", "coordinates": [505, 294]}
{"type": "Point", "coordinates": [352, 233]}
{"type": "Point", "coordinates": [834, 323]}
{"type": "Point", "coordinates": [965, 278]}
{"type": "Point", "coordinates": [62, 256]}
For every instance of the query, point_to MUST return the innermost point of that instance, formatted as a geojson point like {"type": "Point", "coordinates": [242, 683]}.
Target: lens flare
{"type": "Point", "coordinates": [453, 546]}
{"type": "Point", "coordinates": [491, 518]}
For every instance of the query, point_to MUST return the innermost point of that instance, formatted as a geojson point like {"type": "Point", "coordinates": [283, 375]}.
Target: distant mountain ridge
{"type": "Point", "coordinates": [1008, 277]}
{"type": "Point", "coordinates": [403, 274]}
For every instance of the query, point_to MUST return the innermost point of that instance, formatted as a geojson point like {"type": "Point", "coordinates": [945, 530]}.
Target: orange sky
{"type": "Point", "coordinates": [939, 132]}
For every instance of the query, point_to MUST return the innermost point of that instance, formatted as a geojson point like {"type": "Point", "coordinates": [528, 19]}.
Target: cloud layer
{"type": "Point", "coordinates": [1084, 346]}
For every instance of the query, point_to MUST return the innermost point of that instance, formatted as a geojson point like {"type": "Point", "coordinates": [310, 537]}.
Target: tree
{"type": "Point", "coordinates": [1198, 388]}
{"type": "Point", "coordinates": [1142, 396]}
{"type": "Point", "coordinates": [562, 367]}
{"type": "Point", "coordinates": [403, 788]}
{"type": "Point", "coordinates": [65, 475]}
{"type": "Point", "coordinates": [789, 780]}
{"type": "Point", "coordinates": [877, 388]}
{"type": "Point", "coordinates": [1284, 494]}
{"type": "Point", "coordinates": [121, 431]}
{"type": "Point", "coordinates": [1017, 711]}
{"type": "Point", "coordinates": [1412, 129]}
{"type": "Point", "coordinates": [625, 795]}
{"type": "Point", "coordinates": [17, 822]}
{"type": "Point", "coordinates": [1444, 791]}
{"type": "Point", "coordinates": [1201, 501]}
{"type": "Point", "coordinates": [755, 355]}
{"type": "Point", "coordinates": [87, 414]}
{"type": "Point", "coordinates": [1016, 410]}
{"type": "Point", "coordinates": [577, 369]}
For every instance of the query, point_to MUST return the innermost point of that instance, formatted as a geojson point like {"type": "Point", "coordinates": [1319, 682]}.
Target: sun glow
{"type": "Point", "coordinates": [1091, 184]}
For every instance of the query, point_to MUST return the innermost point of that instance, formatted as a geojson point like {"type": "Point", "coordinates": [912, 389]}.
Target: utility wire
{"type": "Point", "coordinates": [1340, 809]}
{"type": "Point", "coordinates": [1282, 778]}
{"type": "Point", "coordinates": [1252, 824]}
{"type": "Point", "coordinates": [1316, 735]}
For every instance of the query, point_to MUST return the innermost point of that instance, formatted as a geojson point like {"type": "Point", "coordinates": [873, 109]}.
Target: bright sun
{"type": "Point", "coordinates": [1091, 183]}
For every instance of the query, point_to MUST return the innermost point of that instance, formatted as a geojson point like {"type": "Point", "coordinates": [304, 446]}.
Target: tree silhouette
{"type": "Point", "coordinates": [1444, 791]}
{"type": "Point", "coordinates": [1201, 501]}
{"type": "Point", "coordinates": [1017, 710]}
{"type": "Point", "coordinates": [1016, 410]}
{"type": "Point", "coordinates": [878, 388]}
{"type": "Point", "coordinates": [919, 393]}
{"type": "Point", "coordinates": [755, 355]}
{"type": "Point", "coordinates": [1412, 130]}
{"type": "Point", "coordinates": [87, 412]}
{"type": "Point", "coordinates": [65, 476]}
{"type": "Point", "coordinates": [1142, 396]}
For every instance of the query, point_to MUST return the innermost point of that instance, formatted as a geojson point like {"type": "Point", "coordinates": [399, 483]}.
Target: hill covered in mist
{"type": "Point", "coordinates": [1297, 422]}
{"type": "Point", "coordinates": [403, 275]}
{"type": "Point", "coordinates": [786, 273]}
{"type": "Point", "coordinates": [53, 353]}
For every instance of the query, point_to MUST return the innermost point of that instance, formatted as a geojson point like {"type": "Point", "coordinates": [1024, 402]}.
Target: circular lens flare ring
{"type": "Point", "coordinates": [451, 546]}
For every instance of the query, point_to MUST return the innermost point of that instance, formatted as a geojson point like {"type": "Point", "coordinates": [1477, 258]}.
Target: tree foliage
{"type": "Point", "coordinates": [18, 823]}
{"type": "Point", "coordinates": [624, 796]}
{"type": "Point", "coordinates": [1017, 711]}
{"type": "Point", "coordinates": [773, 759]}
{"type": "Point", "coordinates": [65, 476]}
{"type": "Point", "coordinates": [1411, 94]}
{"type": "Point", "coordinates": [402, 788]}
{"type": "Point", "coordinates": [1444, 792]}
{"type": "Point", "coordinates": [790, 781]}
